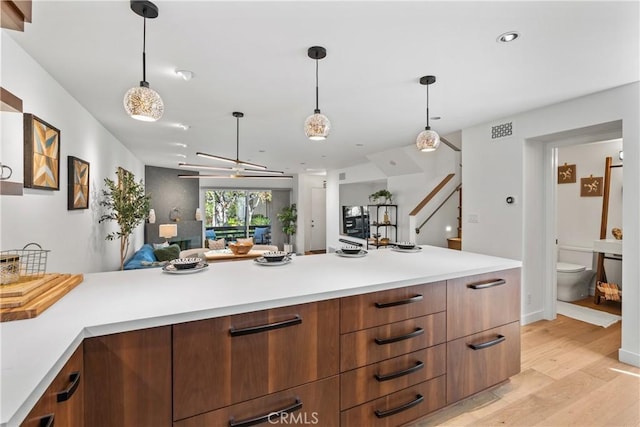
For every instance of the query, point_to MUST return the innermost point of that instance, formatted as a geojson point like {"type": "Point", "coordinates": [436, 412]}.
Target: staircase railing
{"type": "Point", "coordinates": [432, 194]}
{"type": "Point", "coordinates": [418, 228]}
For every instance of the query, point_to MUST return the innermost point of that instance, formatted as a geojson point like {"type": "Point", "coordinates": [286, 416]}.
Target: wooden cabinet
{"type": "Point", "coordinates": [315, 403]}
{"type": "Point", "coordinates": [223, 361]}
{"type": "Point", "coordinates": [62, 403]}
{"type": "Point", "coordinates": [128, 379]}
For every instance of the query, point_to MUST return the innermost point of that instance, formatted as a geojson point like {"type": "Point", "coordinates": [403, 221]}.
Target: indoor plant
{"type": "Point", "coordinates": [288, 216]}
{"type": "Point", "coordinates": [127, 204]}
{"type": "Point", "coordinates": [383, 196]}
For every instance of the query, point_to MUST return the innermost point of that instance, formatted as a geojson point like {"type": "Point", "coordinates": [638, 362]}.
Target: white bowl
{"type": "Point", "coordinates": [185, 263]}
{"type": "Point", "coordinates": [405, 245]}
{"type": "Point", "coordinates": [351, 250]}
{"type": "Point", "coordinates": [274, 256]}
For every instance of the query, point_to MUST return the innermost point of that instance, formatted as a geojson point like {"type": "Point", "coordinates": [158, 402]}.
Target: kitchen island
{"type": "Point", "coordinates": [35, 350]}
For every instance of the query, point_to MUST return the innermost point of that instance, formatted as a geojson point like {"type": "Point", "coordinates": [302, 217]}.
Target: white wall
{"type": "Point", "coordinates": [76, 240]}
{"type": "Point", "coordinates": [578, 220]}
{"type": "Point", "coordinates": [494, 169]}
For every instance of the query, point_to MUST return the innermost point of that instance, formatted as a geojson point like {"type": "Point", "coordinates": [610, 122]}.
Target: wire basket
{"type": "Point", "coordinates": [20, 265]}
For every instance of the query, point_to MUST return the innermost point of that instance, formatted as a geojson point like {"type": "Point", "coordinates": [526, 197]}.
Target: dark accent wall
{"type": "Point", "coordinates": [167, 192]}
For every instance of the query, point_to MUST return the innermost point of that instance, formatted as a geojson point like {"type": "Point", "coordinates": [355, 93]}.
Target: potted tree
{"type": "Point", "coordinates": [127, 204]}
{"type": "Point", "coordinates": [288, 216]}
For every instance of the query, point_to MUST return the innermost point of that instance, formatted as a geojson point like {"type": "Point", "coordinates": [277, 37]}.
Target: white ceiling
{"type": "Point", "coordinates": [252, 57]}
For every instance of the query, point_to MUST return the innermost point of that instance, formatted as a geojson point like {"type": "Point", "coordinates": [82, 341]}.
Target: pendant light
{"type": "Point", "coordinates": [427, 140]}
{"type": "Point", "coordinates": [317, 125]}
{"type": "Point", "coordinates": [142, 102]}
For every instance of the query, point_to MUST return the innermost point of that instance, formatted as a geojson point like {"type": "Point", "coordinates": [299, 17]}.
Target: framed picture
{"type": "Point", "coordinates": [78, 184]}
{"type": "Point", "coordinates": [566, 174]}
{"type": "Point", "coordinates": [591, 187]}
{"type": "Point", "coordinates": [41, 154]}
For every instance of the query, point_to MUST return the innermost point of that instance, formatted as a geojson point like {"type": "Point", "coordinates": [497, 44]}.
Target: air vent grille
{"type": "Point", "coordinates": [501, 131]}
{"type": "Point", "coordinates": [342, 176]}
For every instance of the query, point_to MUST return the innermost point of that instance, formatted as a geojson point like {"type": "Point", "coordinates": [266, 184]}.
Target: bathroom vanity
{"type": "Point", "coordinates": [379, 340]}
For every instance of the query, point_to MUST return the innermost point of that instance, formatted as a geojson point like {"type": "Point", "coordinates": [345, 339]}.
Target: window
{"type": "Point", "coordinates": [234, 213]}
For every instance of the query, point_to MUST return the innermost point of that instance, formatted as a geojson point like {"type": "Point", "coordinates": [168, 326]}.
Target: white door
{"type": "Point", "coordinates": [318, 219]}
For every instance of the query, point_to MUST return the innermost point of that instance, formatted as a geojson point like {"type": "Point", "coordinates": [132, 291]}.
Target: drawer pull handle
{"type": "Point", "coordinates": [273, 415]}
{"type": "Point", "coordinates": [401, 302]}
{"type": "Point", "coordinates": [381, 414]}
{"type": "Point", "coordinates": [487, 284]}
{"type": "Point", "coordinates": [264, 328]}
{"type": "Point", "coordinates": [74, 381]}
{"type": "Point", "coordinates": [383, 341]}
{"type": "Point", "coordinates": [47, 420]}
{"type": "Point", "coordinates": [498, 340]}
{"type": "Point", "coordinates": [387, 377]}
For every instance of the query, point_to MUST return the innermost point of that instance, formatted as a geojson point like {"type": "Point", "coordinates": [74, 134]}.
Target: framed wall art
{"type": "Point", "coordinates": [591, 186]}
{"type": "Point", "coordinates": [566, 174]}
{"type": "Point", "coordinates": [41, 154]}
{"type": "Point", "coordinates": [78, 184]}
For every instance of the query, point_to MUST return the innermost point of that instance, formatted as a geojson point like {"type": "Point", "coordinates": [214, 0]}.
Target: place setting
{"type": "Point", "coordinates": [351, 251]}
{"type": "Point", "coordinates": [273, 259]}
{"type": "Point", "coordinates": [406, 247]}
{"type": "Point", "coordinates": [185, 266]}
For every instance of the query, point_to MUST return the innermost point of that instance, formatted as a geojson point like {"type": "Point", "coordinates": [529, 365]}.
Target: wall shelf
{"type": "Point", "coordinates": [383, 223]}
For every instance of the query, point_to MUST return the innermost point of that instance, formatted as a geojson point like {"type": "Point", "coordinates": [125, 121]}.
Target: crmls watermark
{"type": "Point", "coordinates": [293, 418]}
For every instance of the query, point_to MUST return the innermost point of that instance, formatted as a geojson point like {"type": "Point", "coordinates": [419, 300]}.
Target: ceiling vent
{"type": "Point", "coordinates": [502, 131]}
{"type": "Point", "coordinates": [342, 176]}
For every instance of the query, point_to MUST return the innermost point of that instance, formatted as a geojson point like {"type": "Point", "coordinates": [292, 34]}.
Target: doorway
{"type": "Point", "coordinates": [318, 241]}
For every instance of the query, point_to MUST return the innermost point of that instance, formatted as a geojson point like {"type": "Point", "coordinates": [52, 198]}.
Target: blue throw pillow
{"type": "Point", "coordinates": [210, 234]}
{"type": "Point", "coordinates": [144, 257]}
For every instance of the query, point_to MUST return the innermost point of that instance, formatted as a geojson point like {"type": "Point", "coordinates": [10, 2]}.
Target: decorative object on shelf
{"type": "Point", "coordinates": [317, 125]}
{"type": "Point", "coordinates": [41, 154]}
{"type": "Point", "coordinates": [566, 174]}
{"type": "Point", "coordinates": [152, 216]}
{"type": "Point", "coordinates": [617, 233]}
{"type": "Point", "coordinates": [591, 186]}
{"type": "Point", "coordinates": [142, 102]}
{"type": "Point", "coordinates": [381, 197]}
{"type": "Point", "coordinates": [427, 140]}
{"type": "Point", "coordinates": [175, 214]}
{"type": "Point", "coordinates": [240, 168]}
{"type": "Point", "coordinates": [198, 214]}
{"type": "Point", "coordinates": [126, 203]}
{"type": "Point", "coordinates": [168, 231]}
{"type": "Point", "coordinates": [384, 241]}
{"type": "Point", "coordinates": [288, 216]}
{"type": "Point", "coordinates": [386, 218]}
{"type": "Point", "coordinates": [78, 183]}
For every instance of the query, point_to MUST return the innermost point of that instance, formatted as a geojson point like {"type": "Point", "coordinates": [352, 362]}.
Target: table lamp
{"type": "Point", "coordinates": [168, 231]}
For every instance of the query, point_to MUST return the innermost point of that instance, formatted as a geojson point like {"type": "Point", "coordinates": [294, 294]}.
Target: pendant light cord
{"type": "Point", "coordinates": [144, 45]}
{"type": "Point", "coordinates": [237, 139]}
{"type": "Point", "coordinates": [317, 110]}
{"type": "Point", "coordinates": [427, 128]}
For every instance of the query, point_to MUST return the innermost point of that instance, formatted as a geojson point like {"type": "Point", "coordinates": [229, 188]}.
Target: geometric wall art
{"type": "Point", "coordinates": [591, 187]}
{"type": "Point", "coordinates": [78, 183]}
{"type": "Point", "coordinates": [41, 154]}
{"type": "Point", "coordinates": [566, 174]}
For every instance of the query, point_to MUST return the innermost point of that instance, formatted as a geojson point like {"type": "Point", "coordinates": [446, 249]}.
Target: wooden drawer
{"type": "Point", "coordinates": [378, 308]}
{"type": "Point", "coordinates": [481, 302]}
{"type": "Point", "coordinates": [494, 358]}
{"type": "Point", "coordinates": [398, 408]}
{"type": "Point", "coordinates": [63, 400]}
{"type": "Point", "coordinates": [384, 342]}
{"type": "Point", "coordinates": [312, 404]}
{"type": "Point", "coordinates": [222, 361]}
{"type": "Point", "coordinates": [370, 382]}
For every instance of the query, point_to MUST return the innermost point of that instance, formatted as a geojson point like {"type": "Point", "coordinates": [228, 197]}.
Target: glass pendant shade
{"type": "Point", "coordinates": [428, 140]}
{"type": "Point", "coordinates": [317, 126]}
{"type": "Point", "coordinates": [143, 103]}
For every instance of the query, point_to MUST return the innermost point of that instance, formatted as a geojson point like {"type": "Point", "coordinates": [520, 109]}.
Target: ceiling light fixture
{"type": "Point", "coordinates": [185, 74]}
{"type": "Point", "coordinates": [317, 125]}
{"type": "Point", "coordinates": [183, 126]}
{"type": "Point", "coordinates": [142, 102]}
{"type": "Point", "coordinates": [240, 169]}
{"type": "Point", "coordinates": [427, 140]}
{"type": "Point", "coordinates": [507, 37]}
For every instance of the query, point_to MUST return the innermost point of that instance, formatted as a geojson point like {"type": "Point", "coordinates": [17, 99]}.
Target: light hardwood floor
{"type": "Point", "coordinates": [570, 376]}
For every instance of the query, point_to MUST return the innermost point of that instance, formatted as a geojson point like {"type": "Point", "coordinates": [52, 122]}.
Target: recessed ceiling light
{"type": "Point", "coordinates": [183, 126]}
{"type": "Point", "coordinates": [261, 151]}
{"type": "Point", "coordinates": [185, 74]}
{"type": "Point", "coordinates": [180, 144]}
{"type": "Point", "coordinates": [184, 156]}
{"type": "Point", "coordinates": [359, 145]}
{"type": "Point", "coordinates": [507, 37]}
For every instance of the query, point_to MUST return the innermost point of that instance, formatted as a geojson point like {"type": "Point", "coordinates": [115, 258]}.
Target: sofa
{"type": "Point", "coordinates": [150, 256]}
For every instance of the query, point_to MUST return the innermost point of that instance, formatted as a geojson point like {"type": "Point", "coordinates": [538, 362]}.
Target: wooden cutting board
{"type": "Point", "coordinates": [27, 300]}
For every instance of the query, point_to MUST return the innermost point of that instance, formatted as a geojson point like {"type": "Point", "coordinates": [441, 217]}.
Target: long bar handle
{"type": "Point", "coordinates": [74, 381]}
{"type": "Point", "coordinates": [47, 420]}
{"type": "Point", "coordinates": [381, 414]}
{"type": "Point", "coordinates": [487, 284]}
{"type": "Point", "coordinates": [273, 415]}
{"type": "Point", "coordinates": [491, 343]}
{"type": "Point", "coordinates": [401, 302]}
{"type": "Point", "coordinates": [383, 341]}
{"type": "Point", "coordinates": [419, 365]}
{"type": "Point", "coordinates": [264, 328]}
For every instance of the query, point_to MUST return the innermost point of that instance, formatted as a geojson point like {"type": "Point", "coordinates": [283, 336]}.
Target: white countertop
{"type": "Point", "coordinates": [34, 350]}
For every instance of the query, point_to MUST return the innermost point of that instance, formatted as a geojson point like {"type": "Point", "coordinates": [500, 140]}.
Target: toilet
{"type": "Point", "coordinates": [573, 281]}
